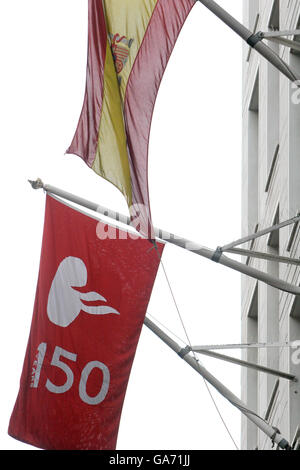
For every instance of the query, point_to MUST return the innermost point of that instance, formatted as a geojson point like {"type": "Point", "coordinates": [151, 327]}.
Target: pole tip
{"type": "Point", "coordinates": [38, 184]}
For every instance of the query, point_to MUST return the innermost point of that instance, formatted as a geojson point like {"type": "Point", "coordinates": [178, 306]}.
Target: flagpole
{"type": "Point", "coordinates": [254, 40]}
{"type": "Point", "coordinates": [213, 255]}
{"type": "Point", "coordinates": [272, 433]}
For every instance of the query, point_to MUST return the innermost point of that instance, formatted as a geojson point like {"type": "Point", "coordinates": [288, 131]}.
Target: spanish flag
{"type": "Point", "coordinates": [130, 42]}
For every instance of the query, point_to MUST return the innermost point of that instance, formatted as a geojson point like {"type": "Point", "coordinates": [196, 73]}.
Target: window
{"type": "Point", "coordinates": [273, 239]}
{"type": "Point", "coordinates": [253, 145]}
{"type": "Point", "coordinates": [296, 38]}
{"type": "Point", "coordinates": [295, 311]}
{"type": "Point", "coordinates": [274, 21]}
{"type": "Point", "coordinates": [273, 100]}
{"type": "Point", "coordinates": [252, 244]}
{"type": "Point", "coordinates": [294, 335]}
{"type": "Point", "coordinates": [293, 236]}
{"type": "Point", "coordinates": [253, 12]}
{"type": "Point", "coordinates": [272, 168]}
{"type": "Point", "coordinates": [296, 440]}
{"type": "Point", "coordinates": [272, 319]}
{"type": "Point", "coordinates": [294, 143]}
{"type": "Point", "coordinates": [252, 374]}
{"type": "Point", "coordinates": [252, 20]}
{"type": "Point", "coordinates": [273, 399]}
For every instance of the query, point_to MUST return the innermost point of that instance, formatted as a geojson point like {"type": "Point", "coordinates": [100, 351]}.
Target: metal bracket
{"type": "Point", "coordinates": [184, 351]}
{"type": "Point", "coordinates": [254, 39]}
{"type": "Point", "coordinates": [283, 443]}
{"type": "Point", "coordinates": [217, 254]}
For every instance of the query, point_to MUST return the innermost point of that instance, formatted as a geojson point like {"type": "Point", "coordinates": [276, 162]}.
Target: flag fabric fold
{"type": "Point", "coordinates": [90, 305]}
{"type": "Point", "coordinates": [130, 42]}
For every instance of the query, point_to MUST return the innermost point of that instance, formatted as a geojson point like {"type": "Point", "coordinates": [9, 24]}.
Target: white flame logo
{"type": "Point", "coordinates": [64, 302]}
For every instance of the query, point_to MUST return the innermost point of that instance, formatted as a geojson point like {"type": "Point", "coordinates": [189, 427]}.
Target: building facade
{"type": "Point", "coordinates": [271, 194]}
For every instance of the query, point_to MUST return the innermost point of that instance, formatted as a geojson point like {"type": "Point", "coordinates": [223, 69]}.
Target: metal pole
{"type": "Point", "coordinates": [250, 365]}
{"type": "Point", "coordinates": [252, 39]}
{"type": "Point", "coordinates": [265, 256]}
{"type": "Point", "coordinates": [208, 347]}
{"type": "Point", "coordinates": [278, 34]}
{"type": "Point", "coordinates": [262, 232]}
{"type": "Point", "coordinates": [286, 42]}
{"type": "Point", "coordinates": [168, 237]}
{"type": "Point", "coordinates": [272, 433]}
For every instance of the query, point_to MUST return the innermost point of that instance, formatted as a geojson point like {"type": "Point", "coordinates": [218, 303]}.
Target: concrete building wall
{"type": "Point", "coordinates": [270, 194]}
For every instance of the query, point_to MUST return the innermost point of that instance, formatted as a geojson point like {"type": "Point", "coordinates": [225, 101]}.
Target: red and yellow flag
{"type": "Point", "coordinates": [130, 42]}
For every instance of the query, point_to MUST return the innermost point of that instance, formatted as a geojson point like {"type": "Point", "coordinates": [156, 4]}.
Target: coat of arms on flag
{"type": "Point", "coordinates": [120, 48]}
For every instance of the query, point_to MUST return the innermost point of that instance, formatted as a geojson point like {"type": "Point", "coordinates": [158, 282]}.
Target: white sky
{"type": "Point", "coordinates": [194, 178]}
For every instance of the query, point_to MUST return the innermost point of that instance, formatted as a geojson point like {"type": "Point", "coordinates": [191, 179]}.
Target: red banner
{"type": "Point", "coordinates": [89, 309]}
